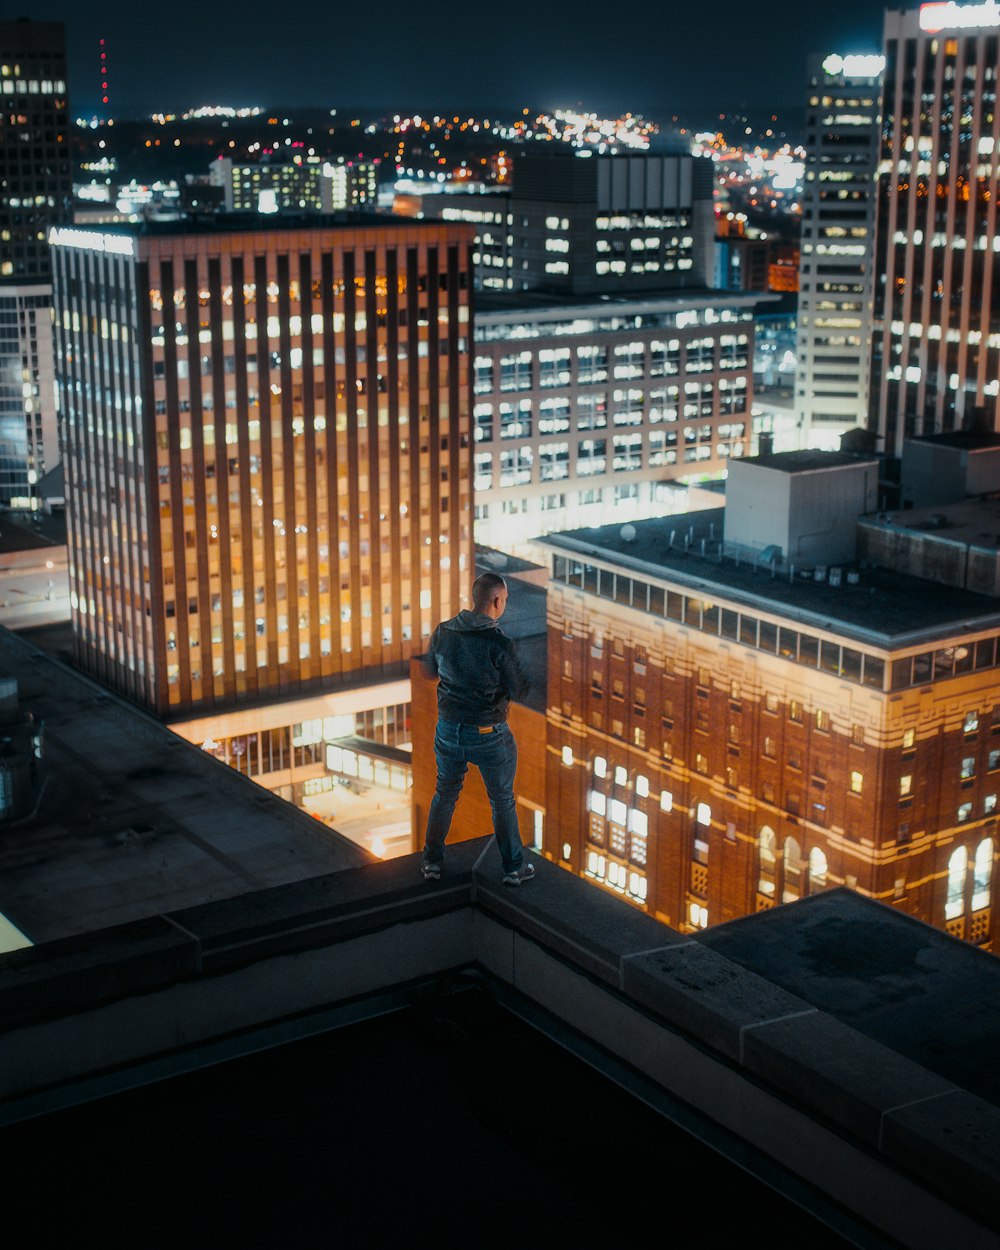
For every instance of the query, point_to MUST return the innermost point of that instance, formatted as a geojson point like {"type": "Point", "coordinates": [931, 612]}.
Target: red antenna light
{"type": "Point", "coordinates": [103, 67]}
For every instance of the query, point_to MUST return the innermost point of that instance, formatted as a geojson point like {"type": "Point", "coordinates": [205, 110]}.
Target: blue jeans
{"type": "Point", "coordinates": [495, 755]}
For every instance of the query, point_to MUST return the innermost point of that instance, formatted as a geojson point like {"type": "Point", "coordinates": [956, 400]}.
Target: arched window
{"type": "Point", "coordinates": [817, 870]}
{"type": "Point", "coordinates": [792, 870]}
{"type": "Point", "coordinates": [955, 900]}
{"type": "Point", "coordinates": [767, 882]}
{"type": "Point", "coordinates": [981, 872]}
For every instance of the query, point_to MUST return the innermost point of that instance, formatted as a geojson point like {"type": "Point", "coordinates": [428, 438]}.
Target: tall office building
{"type": "Point", "coordinates": [835, 267]}
{"type": "Point", "coordinates": [749, 705]}
{"type": "Point", "coordinates": [267, 451]}
{"type": "Point", "coordinates": [936, 348]}
{"type": "Point", "coordinates": [35, 191]}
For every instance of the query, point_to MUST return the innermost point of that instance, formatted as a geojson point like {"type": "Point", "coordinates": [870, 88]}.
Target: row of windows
{"type": "Point", "coordinates": [709, 618]}
{"type": "Point", "coordinates": [618, 822]}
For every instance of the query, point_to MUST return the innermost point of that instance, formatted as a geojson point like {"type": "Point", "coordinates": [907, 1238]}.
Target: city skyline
{"type": "Point", "coordinates": [681, 57]}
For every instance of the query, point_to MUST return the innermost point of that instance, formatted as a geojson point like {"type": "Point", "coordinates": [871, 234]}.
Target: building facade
{"type": "Point", "coordinates": [725, 733]}
{"type": "Point", "coordinates": [581, 408]}
{"type": "Point", "coordinates": [267, 452]}
{"type": "Point", "coordinates": [35, 193]}
{"type": "Point", "coordinates": [322, 186]}
{"type": "Point", "coordinates": [835, 269]}
{"type": "Point", "coordinates": [29, 434]}
{"type": "Point", "coordinates": [936, 347]}
{"type": "Point", "coordinates": [587, 224]}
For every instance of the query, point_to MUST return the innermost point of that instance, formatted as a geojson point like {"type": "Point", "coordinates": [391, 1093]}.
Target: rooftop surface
{"type": "Point", "coordinates": [819, 1046]}
{"type": "Point", "coordinates": [884, 609]}
{"type": "Point", "coordinates": [808, 460]}
{"type": "Point", "coordinates": [132, 820]}
{"type": "Point", "coordinates": [964, 440]}
{"type": "Point", "coordinates": [974, 521]}
{"type": "Point", "coordinates": [246, 222]}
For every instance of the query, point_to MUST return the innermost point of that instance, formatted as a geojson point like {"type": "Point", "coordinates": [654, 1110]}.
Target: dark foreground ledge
{"type": "Point", "coordinates": [775, 1038]}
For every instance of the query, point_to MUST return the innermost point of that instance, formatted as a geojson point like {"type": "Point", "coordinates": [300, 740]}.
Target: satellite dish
{"type": "Point", "coordinates": [627, 533]}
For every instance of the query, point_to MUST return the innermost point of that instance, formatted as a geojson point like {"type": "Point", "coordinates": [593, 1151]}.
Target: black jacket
{"type": "Point", "coordinates": [478, 670]}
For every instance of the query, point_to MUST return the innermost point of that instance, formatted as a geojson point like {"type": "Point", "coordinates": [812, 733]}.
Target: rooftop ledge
{"type": "Point", "coordinates": [901, 1150]}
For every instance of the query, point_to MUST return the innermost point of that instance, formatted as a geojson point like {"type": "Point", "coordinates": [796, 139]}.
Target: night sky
{"type": "Point", "coordinates": [653, 56]}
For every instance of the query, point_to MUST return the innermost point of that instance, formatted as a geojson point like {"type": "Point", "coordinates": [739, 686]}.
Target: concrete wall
{"type": "Point", "coordinates": [929, 555]}
{"type": "Point", "coordinates": [934, 474]}
{"type": "Point", "coordinates": [757, 506]}
{"type": "Point", "coordinates": [809, 514]}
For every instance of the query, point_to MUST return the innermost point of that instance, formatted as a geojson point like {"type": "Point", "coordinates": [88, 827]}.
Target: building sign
{"type": "Point", "coordinates": [856, 66]}
{"type": "Point", "coordinates": [951, 16]}
{"type": "Point", "coordinates": [115, 244]}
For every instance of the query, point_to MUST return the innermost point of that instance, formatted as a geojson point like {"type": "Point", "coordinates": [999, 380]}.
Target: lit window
{"type": "Point", "coordinates": [909, 738]}
{"type": "Point", "coordinates": [968, 767]}
{"type": "Point", "coordinates": [955, 899]}
{"type": "Point", "coordinates": [703, 814]}
{"type": "Point", "coordinates": [822, 719]}
{"type": "Point", "coordinates": [964, 813]}
{"type": "Point", "coordinates": [598, 802]}
{"type": "Point", "coordinates": [981, 871]}
{"type": "Point", "coordinates": [642, 785]}
{"type": "Point", "coordinates": [621, 776]}
{"type": "Point", "coordinates": [600, 766]}
{"type": "Point", "coordinates": [905, 786]}
{"type": "Point", "coordinates": [698, 915]}
{"type": "Point", "coordinates": [638, 822]}
{"type": "Point", "coordinates": [618, 812]}
{"type": "Point", "coordinates": [971, 722]}
{"type": "Point", "coordinates": [666, 801]}
{"type": "Point", "coordinates": [567, 756]}
{"type": "Point", "coordinates": [857, 782]}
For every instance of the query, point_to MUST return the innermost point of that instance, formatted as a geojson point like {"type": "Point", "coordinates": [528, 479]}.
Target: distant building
{"type": "Point", "coordinates": [836, 272]}
{"type": "Point", "coordinates": [583, 410]}
{"type": "Point", "coordinates": [267, 445]}
{"type": "Point", "coordinates": [586, 224]}
{"type": "Point", "coordinates": [266, 186]}
{"type": "Point", "coordinates": [34, 147]}
{"type": "Point", "coordinates": [576, 223]}
{"type": "Point", "coordinates": [936, 348]}
{"type": "Point", "coordinates": [747, 706]}
{"type": "Point", "coordinates": [487, 209]}
{"type": "Point", "coordinates": [35, 178]}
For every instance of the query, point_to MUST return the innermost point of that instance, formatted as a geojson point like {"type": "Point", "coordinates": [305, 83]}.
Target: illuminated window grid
{"type": "Point", "coordinates": [224, 516]}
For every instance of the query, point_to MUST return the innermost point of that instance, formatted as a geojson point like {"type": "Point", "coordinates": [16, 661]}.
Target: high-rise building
{"type": "Point", "coordinates": [35, 177]}
{"type": "Point", "coordinates": [267, 451]}
{"type": "Point", "coordinates": [835, 269]}
{"type": "Point", "coordinates": [35, 192]}
{"type": "Point", "coordinates": [751, 704]}
{"type": "Point", "coordinates": [936, 346]}
{"type": "Point", "coordinates": [584, 408]}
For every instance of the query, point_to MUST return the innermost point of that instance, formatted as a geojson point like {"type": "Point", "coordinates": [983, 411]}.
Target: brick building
{"type": "Point", "coordinates": [741, 713]}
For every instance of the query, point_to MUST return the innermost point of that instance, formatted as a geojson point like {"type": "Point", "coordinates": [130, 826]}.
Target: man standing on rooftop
{"type": "Point", "coordinates": [478, 673]}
